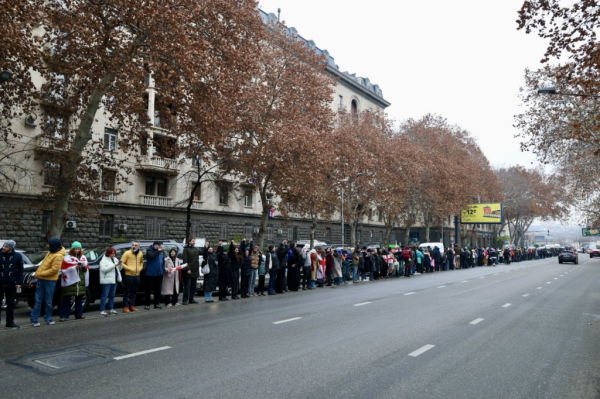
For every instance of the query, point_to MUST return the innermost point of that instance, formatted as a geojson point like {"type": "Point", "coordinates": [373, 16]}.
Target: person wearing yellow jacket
{"type": "Point", "coordinates": [133, 263]}
{"type": "Point", "coordinates": [47, 275]}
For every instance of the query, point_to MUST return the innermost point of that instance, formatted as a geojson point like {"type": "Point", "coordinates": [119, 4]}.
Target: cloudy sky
{"type": "Point", "coordinates": [462, 59]}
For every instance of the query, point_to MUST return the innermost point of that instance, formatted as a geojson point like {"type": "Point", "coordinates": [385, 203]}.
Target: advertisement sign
{"type": "Point", "coordinates": [482, 214]}
{"type": "Point", "coordinates": [590, 232]}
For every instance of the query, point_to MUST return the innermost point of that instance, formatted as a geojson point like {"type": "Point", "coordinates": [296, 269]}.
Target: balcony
{"type": "Point", "coordinates": [47, 143]}
{"type": "Point", "coordinates": [112, 197]}
{"type": "Point", "coordinates": [158, 164]}
{"type": "Point", "coordinates": [155, 201]}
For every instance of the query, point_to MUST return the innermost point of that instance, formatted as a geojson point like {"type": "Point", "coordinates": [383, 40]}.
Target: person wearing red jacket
{"type": "Point", "coordinates": [406, 257]}
{"type": "Point", "coordinates": [329, 266]}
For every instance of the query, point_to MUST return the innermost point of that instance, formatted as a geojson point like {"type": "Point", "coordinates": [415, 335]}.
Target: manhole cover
{"type": "Point", "coordinates": [68, 359]}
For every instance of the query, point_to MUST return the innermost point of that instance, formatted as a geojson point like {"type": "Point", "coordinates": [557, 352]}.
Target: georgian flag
{"type": "Point", "coordinates": [69, 274]}
{"type": "Point", "coordinates": [272, 213]}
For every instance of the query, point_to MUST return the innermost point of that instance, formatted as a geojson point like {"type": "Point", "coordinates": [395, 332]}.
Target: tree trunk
{"type": "Point", "coordinates": [264, 217]}
{"type": "Point", "coordinates": [353, 225]}
{"type": "Point", "coordinates": [313, 228]}
{"type": "Point", "coordinates": [386, 236]}
{"type": "Point", "coordinates": [407, 234]}
{"type": "Point", "coordinates": [427, 228]}
{"type": "Point", "coordinates": [68, 177]}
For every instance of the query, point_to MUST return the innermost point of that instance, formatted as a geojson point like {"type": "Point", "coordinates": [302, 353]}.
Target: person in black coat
{"type": "Point", "coordinates": [11, 278]}
{"type": "Point", "coordinates": [224, 271]}
{"type": "Point", "coordinates": [272, 266]}
{"type": "Point", "coordinates": [235, 261]}
{"type": "Point", "coordinates": [294, 263]}
{"type": "Point", "coordinates": [282, 252]}
{"type": "Point", "coordinates": [246, 266]}
{"type": "Point", "coordinates": [211, 278]}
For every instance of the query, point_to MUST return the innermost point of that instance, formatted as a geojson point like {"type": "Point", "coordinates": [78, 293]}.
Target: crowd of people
{"type": "Point", "coordinates": [233, 269]}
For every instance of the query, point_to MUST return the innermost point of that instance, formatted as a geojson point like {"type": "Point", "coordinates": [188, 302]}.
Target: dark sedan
{"type": "Point", "coordinates": [568, 256]}
{"type": "Point", "coordinates": [93, 255]}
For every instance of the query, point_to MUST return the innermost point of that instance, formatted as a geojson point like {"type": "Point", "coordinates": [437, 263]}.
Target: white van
{"type": "Point", "coordinates": [424, 246]}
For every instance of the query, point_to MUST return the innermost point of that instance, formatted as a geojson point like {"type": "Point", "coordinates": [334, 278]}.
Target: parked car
{"type": "Point", "coordinates": [594, 251]}
{"type": "Point", "coordinates": [93, 255]}
{"type": "Point", "coordinates": [432, 245]}
{"type": "Point", "coordinates": [568, 256]}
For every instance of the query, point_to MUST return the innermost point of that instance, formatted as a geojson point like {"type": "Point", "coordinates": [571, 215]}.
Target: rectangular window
{"type": "Point", "coordinates": [269, 199]}
{"type": "Point", "coordinates": [109, 178]}
{"type": "Point", "coordinates": [295, 233]}
{"type": "Point", "coordinates": [161, 187]}
{"type": "Point", "coordinates": [161, 227]}
{"type": "Point", "coordinates": [46, 217]}
{"type": "Point", "coordinates": [51, 173]}
{"type": "Point", "coordinates": [248, 198]}
{"type": "Point", "coordinates": [414, 236]}
{"type": "Point", "coordinates": [149, 186]}
{"type": "Point", "coordinates": [269, 233]}
{"type": "Point", "coordinates": [150, 228]}
{"type": "Point", "coordinates": [341, 103]}
{"type": "Point", "coordinates": [55, 126]}
{"type": "Point", "coordinates": [223, 231]}
{"type": "Point", "coordinates": [156, 228]}
{"type": "Point", "coordinates": [197, 193]}
{"type": "Point", "coordinates": [290, 233]}
{"type": "Point", "coordinates": [106, 225]}
{"type": "Point", "coordinates": [223, 195]}
{"type": "Point", "coordinates": [110, 139]}
{"type": "Point", "coordinates": [248, 231]}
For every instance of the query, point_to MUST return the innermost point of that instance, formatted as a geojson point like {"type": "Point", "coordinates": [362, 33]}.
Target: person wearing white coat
{"type": "Point", "coordinates": [110, 275]}
{"type": "Point", "coordinates": [170, 282]}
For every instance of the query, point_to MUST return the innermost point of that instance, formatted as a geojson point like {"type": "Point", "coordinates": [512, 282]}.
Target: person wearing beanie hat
{"type": "Point", "coordinates": [76, 244]}
{"type": "Point", "coordinates": [11, 279]}
{"type": "Point", "coordinates": [75, 279]}
{"type": "Point", "coordinates": [47, 275]}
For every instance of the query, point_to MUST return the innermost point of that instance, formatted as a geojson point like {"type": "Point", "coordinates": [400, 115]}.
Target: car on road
{"type": "Point", "coordinates": [568, 256]}
{"type": "Point", "coordinates": [93, 255]}
{"type": "Point", "coordinates": [594, 251]}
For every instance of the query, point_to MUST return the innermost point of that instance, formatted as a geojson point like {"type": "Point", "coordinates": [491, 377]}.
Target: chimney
{"type": "Point", "coordinates": [279, 15]}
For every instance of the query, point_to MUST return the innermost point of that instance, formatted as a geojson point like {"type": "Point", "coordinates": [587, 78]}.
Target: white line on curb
{"type": "Point", "coordinates": [363, 303]}
{"type": "Point", "coordinates": [506, 305]}
{"type": "Point", "coordinates": [285, 321]}
{"type": "Point", "coordinates": [421, 350]}
{"type": "Point", "coordinates": [142, 353]}
{"type": "Point", "coordinates": [410, 293]}
{"type": "Point", "coordinates": [476, 321]}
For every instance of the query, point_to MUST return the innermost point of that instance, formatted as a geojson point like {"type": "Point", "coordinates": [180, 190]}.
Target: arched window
{"type": "Point", "coordinates": [354, 108]}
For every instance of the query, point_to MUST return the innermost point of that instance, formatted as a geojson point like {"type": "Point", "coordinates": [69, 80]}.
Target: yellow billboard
{"type": "Point", "coordinates": [482, 214]}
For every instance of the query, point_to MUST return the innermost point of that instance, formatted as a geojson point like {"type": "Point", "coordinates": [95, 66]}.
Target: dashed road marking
{"type": "Point", "coordinates": [287, 320]}
{"type": "Point", "coordinates": [506, 305]}
{"type": "Point", "coordinates": [548, 282]}
{"type": "Point", "coordinates": [410, 293]}
{"type": "Point", "coordinates": [476, 321]}
{"type": "Point", "coordinates": [538, 288]}
{"type": "Point", "coordinates": [525, 294]}
{"type": "Point", "coordinates": [441, 286]}
{"type": "Point", "coordinates": [162, 348]}
{"type": "Point", "coordinates": [421, 350]}
{"type": "Point", "coordinates": [464, 281]}
{"type": "Point", "coordinates": [363, 303]}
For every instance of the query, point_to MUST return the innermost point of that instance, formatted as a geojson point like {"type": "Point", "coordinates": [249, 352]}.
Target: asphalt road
{"type": "Point", "coordinates": [528, 330]}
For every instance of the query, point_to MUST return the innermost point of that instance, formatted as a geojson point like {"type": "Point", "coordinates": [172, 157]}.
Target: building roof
{"type": "Point", "coordinates": [270, 18]}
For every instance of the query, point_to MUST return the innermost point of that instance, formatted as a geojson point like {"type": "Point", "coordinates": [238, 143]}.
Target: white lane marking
{"type": "Point", "coordinates": [410, 293]}
{"type": "Point", "coordinates": [363, 303]}
{"type": "Point", "coordinates": [162, 348]}
{"type": "Point", "coordinates": [555, 278]}
{"type": "Point", "coordinates": [476, 321]}
{"type": "Point", "coordinates": [285, 321]}
{"type": "Point", "coordinates": [561, 275]}
{"type": "Point", "coordinates": [481, 277]}
{"type": "Point", "coordinates": [421, 350]}
{"type": "Point", "coordinates": [464, 281]}
{"type": "Point", "coordinates": [538, 288]}
{"type": "Point", "coordinates": [495, 274]}
{"type": "Point", "coordinates": [441, 286]}
{"type": "Point", "coordinates": [525, 294]}
{"type": "Point", "coordinates": [548, 282]}
{"type": "Point", "coordinates": [506, 305]}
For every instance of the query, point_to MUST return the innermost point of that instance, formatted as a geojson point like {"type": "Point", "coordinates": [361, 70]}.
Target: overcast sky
{"type": "Point", "coordinates": [462, 59]}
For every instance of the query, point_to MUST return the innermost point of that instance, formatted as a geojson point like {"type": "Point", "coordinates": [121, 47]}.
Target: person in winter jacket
{"type": "Point", "coordinates": [133, 263]}
{"type": "Point", "coordinates": [306, 269]}
{"type": "Point", "coordinates": [294, 263]}
{"type": "Point", "coordinates": [337, 268]}
{"type": "Point", "coordinates": [47, 275]}
{"type": "Point", "coordinates": [224, 271]}
{"type": "Point", "coordinates": [11, 279]}
{"type": "Point", "coordinates": [419, 260]}
{"type": "Point", "coordinates": [256, 258]}
{"type": "Point", "coordinates": [246, 273]}
{"type": "Point", "coordinates": [170, 280]}
{"type": "Point", "coordinates": [406, 257]}
{"type": "Point", "coordinates": [153, 272]}
{"type": "Point", "coordinates": [75, 278]}
{"type": "Point", "coordinates": [282, 253]}
{"type": "Point", "coordinates": [355, 263]}
{"type": "Point", "coordinates": [110, 275]}
{"type": "Point", "coordinates": [236, 261]}
{"type": "Point", "coordinates": [328, 266]}
{"type": "Point", "coordinates": [314, 268]}
{"type": "Point", "coordinates": [272, 266]}
{"type": "Point", "coordinates": [191, 257]}
{"type": "Point", "coordinates": [211, 278]}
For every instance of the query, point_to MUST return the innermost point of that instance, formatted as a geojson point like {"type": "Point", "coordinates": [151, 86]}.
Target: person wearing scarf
{"type": "Point", "coordinates": [170, 281]}
{"type": "Point", "coordinates": [74, 280]}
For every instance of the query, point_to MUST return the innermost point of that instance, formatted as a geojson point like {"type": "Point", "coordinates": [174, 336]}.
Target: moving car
{"type": "Point", "coordinates": [568, 256]}
{"type": "Point", "coordinates": [93, 255]}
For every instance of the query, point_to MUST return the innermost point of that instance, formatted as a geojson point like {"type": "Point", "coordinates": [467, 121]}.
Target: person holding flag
{"type": "Point", "coordinates": [74, 279]}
